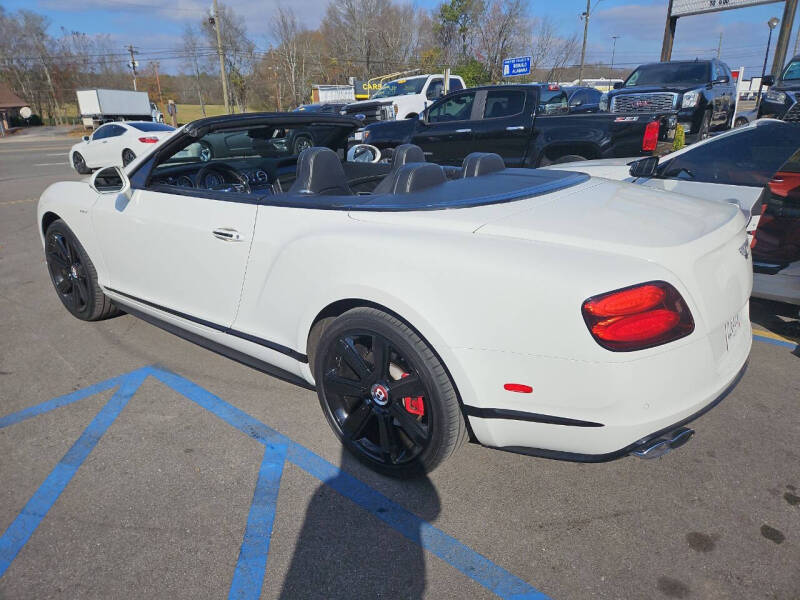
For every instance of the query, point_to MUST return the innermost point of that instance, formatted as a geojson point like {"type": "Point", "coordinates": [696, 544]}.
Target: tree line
{"type": "Point", "coordinates": [356, 38]}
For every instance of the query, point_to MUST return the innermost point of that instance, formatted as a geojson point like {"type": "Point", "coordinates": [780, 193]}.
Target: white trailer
{"type": "Point", "coordinates": [99, 106]}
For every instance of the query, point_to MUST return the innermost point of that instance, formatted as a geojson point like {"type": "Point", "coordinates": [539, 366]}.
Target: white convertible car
{"type": "Point", "coordinates": [542, 312]}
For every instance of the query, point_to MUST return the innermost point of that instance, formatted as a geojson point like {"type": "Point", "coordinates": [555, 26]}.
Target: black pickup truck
{"type": "Point", "coordinates": [528, 125]}
{"type": "Point", "coordinates": [701, 91]}
{"type": "Point", "coordinates": [782, 101]}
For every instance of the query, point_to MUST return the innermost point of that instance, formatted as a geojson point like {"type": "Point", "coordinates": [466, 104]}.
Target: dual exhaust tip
{"type": "Point", "coordinates": [662, 445]}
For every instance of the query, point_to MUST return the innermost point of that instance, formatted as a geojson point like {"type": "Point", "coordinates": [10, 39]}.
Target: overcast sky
{"type": "Point", "coordinates": [154, 25]}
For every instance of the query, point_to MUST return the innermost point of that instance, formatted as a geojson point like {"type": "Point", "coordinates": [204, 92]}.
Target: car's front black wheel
{"type": "Point", "coordinates": [74, 276]}
{"type": "Point", "coordinates": [386, 394]}
{"type": "Point", "coordinates": [80, 164]}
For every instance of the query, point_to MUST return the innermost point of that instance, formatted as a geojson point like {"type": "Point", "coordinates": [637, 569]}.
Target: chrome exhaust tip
{"type": "Point", "coordinates": [660, 446]}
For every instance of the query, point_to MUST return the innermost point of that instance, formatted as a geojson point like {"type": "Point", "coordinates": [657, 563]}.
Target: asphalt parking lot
{"type": "Point", "coordinates": [137, 465]}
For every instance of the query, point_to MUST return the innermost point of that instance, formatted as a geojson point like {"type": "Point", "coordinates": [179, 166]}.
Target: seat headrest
{"type": "Point", "coordinates": [481, 163]}
{"type": "Point", "coordinates": [414, 177]}
{"type": "Point", "coordinates": [319, 171]}
{"type": "Point", "coordinates": [407, 153]}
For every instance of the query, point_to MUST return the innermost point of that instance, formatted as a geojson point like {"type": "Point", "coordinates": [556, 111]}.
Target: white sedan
{"type": "Point", "coordinates": [543, 312]}
{"type": "Point", "coordinates": [731, 167]}
{"type": "Point", "coordinates": [116, 144]}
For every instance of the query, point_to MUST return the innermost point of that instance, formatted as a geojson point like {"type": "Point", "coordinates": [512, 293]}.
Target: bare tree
{"type": "Point", "coordinates": [502, 29]}
{"type": "Point", "coordinates": [192, 54]}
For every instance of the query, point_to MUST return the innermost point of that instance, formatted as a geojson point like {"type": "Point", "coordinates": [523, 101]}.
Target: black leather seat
{"type": "Point", "coordinates": [481, 163]}
{"type": "Point", "coordinates": [404, 154]}
{"type": "Point", "coordinates": [414, 177]}
{"type": "Point", "coordinates": [320, 172]}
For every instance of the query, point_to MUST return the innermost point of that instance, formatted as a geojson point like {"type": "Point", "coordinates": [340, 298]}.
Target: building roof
{"type": "Point", "coordinates": [9, 99]}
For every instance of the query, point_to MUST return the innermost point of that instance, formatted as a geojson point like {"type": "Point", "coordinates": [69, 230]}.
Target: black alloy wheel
{"type": "Point", "coordinates": [386, 395]}
{"type": "Point", "coordinates": [127, 157]}
{"type": "Point", "coordinates": [73, 275]}
{"type": "Point", "coordinates": [80, 164]}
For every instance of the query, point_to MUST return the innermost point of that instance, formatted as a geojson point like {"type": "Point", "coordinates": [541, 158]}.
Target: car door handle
{"type": "Point", "coordinates": [515, 128]}
{"type": "Point", "coordinates": [226, 234]}
{"type": "Point", "coordinates": [463, 130]}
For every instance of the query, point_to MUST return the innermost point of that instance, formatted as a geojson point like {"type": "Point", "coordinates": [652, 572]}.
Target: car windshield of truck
{"type": "Point", "coordinates": [792, 72]}
{"type": "Point", "coordinates": [401, 87]}
{"type": "Point", "coordinates": [669, 73]}
{"type": "Point", "coordinates": [151, 127]}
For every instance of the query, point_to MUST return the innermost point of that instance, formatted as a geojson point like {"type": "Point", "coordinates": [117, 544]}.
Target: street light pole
{"type": "Point", "coordinates": [772, 23]}
{"type": "Point", "coordinates": [585, 35]}
{"type": "Point", "coordinates": [613, 51]}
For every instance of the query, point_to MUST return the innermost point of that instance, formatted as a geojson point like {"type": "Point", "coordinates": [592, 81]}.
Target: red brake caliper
{"type": "Point", "coordinates": [416, 406]}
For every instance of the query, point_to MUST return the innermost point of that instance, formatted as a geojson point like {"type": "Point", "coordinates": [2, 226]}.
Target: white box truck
{"type": "Point", "coordinates": [99, 106]}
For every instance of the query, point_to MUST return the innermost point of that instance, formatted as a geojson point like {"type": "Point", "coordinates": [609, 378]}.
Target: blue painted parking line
{"type": "Point", "coordinates": [248, 578]}
{"type": "Point", "coordinates": [22, 528]}
{"type": "Point", "coordinates": [775, 342]}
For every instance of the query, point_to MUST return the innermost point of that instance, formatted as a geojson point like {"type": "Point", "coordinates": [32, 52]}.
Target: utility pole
{"type": "Point", "coordinates": [215, 19]}
{"type": "Point", "coordinates": [669, 34]}
{"type": "Point", "coordinates": [585, 35]}
{"type": "Point", "coordinates": [613, 51]}
{"type": "Point", "coordinates": [158, 83]}
{"type": "Point", "coordinates": [796, 42]}
{"type": "Point", "coordinates": [132, 64]}
{"type": "Point", "coordinates": [719, 46]}
{"type": "Point", "coordinates": [789, 10]}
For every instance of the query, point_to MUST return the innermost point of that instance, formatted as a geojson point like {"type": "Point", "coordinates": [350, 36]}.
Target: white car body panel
{"type": "Point", "coordinates": [495, 290]}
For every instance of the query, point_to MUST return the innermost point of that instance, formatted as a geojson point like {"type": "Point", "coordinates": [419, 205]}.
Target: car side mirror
{"type": "Point", "coordinates": [768, 80]}
{"type": "Point", "coordinates": [618, 84]}
{"type": "Point", "coordinates": [86, 138]}
{"type": "Point", "coordinates": [644, 167]}
{"type": "Point", "coordinates": [577, 103]}
{"type": "Point", "coordinates": [423, 117]}
{"type": "Point", "coordinates": [111, 180]}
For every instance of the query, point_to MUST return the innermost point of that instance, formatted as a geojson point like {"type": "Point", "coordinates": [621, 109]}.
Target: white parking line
{"type": "Point", "coordinates": [51, 164]}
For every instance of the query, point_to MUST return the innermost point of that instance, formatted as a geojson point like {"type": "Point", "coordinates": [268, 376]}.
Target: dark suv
{"type": "Point", "coordinates": [701, 91]}
{"type": "Point", "coordinates": [783, 99]}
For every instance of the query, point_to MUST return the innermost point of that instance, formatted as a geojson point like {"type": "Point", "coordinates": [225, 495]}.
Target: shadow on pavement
{"type": "Point", "coordinates": [776, 317]}
{"type": "Point", "coordinates": [345, 552]}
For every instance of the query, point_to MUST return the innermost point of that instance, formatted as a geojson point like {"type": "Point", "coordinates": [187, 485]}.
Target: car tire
{"type": "Point", "coordinates": [705, 126]}
{"type": "Point", "coordinates": [127, 157]}
{"type": "Point", "coordinates": [393, 434]}
{"type": "Point", "coordinates": [740, 122]}
{"type": "Point", "coordinates": [79, 164]}
{"type": "Point", "coordinates": [73, 275]}
{"type": "Point", "coordinates": [301, 143]}
{"type": "Point", "coordinates": [567, 158]}
{"type": "Point", "coordinates": [206, 151]}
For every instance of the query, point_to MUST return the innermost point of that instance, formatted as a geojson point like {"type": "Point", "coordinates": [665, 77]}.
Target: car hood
{"type": "Point", "coordinates": [368, 103]}
{"type": "Point", "coordinates": [780, 86]}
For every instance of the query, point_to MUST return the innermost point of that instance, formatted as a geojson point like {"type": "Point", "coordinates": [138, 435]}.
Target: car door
{"type": "Point", "coordinates": [732, 167]}
{"type": "Point", "coordinates": [94, 149]}
{"type": "Point", "coordinates": [445, 132]}
{"type": "Point", "coordinates": [177, 250]}
{"type": "Point", "coordinates": [505, 124]}
{"type": "Point", "coordinates": [108, 150]}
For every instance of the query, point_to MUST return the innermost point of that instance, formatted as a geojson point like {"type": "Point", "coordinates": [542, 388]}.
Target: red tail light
{"type": "Point", "coordinates": [638, 317]}
{"type": "Point", "coordinates": [785, 184]}
{"type": "Point", "coordinates": [650, 139]}
{"type": "Point", "coordinates": [148, 140]}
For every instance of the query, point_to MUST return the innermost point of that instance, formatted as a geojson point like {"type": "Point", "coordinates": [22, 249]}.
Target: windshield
{"type": "Point", "coordinates": [792, 72]}
{"type": "Point", "coordinates": [401, 87]}
{"type": "Point", "coordinates": [151, 127]}
{"type": "Point", "coordinates": [664, 73]}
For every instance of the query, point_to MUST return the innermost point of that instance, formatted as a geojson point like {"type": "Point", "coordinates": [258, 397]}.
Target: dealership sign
{"type": "Point", "coordinates": [517, 66]}
{"type": "Point", "coordinates": [682, 8]}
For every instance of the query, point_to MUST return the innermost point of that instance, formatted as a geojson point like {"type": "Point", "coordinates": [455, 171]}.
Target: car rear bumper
{"type": "Point", "coordinates": [592, 411]}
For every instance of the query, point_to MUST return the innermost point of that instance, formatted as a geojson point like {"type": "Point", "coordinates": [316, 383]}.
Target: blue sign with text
{"type": "Point", "coordinates": [517, 66]}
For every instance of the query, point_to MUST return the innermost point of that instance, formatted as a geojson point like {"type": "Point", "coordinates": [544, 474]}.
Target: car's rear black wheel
{"type": "Point", "coordinates": [567, 159]}
{"type": "Point", "coordinates": [74, 276]}
{"type": "Point", "coordinates": [302, 143]}
{"type": "Point", "coordinates": [127, 157]}
{"type": "Point", "coordinates": [80, 164]}
{"type": "Point", "coordinates": [386, 394]}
